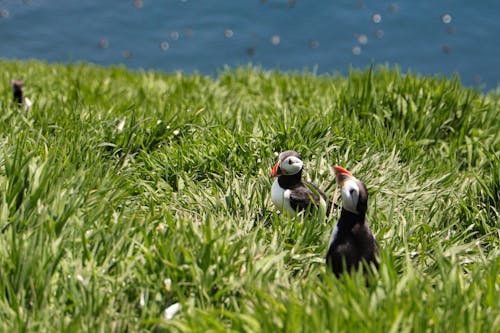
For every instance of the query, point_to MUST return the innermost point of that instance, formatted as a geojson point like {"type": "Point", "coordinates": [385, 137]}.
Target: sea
{"type": "Point", "coordinates": [431, 38]}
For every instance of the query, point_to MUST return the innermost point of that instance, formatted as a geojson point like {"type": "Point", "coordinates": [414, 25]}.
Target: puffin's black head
{"type": "Point", "coordinates": [16, 84]}
{"type": "Point", "coordinates": [289, 163]}
{"type": "Point", "coordinates": [17, 88]}
{"type": "Point", "coordinates": [353, 191]}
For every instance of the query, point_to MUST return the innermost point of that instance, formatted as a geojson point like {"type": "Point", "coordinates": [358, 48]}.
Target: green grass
{"type": "Point", "coordinates": [116, 181]}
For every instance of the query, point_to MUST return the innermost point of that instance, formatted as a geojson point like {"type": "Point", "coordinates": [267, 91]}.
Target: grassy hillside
{"type": "Point", "coordinates": [123, 193]}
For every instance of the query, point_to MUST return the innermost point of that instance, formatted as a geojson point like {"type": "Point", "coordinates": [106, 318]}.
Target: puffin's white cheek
{"type": "Point", "coordinates": [350, 195]}
{"type": "Point", "coordinates": [291, 168]}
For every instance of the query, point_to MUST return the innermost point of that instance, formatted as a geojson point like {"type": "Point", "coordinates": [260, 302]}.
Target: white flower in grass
{"type": "Point", "coordinates": [82, 280]}
{"type": "Point", "coordinates": [121, 125]}
{"type": "Point", "coordinates": [176, 132]}
{"type": "Point", "coordinates": [142, 300]}
{"type": "Point", "coordinates": [171, 311]}
{"type": "Point", "coordinates": [168, 284]}
{"type": "Point", "coordinates": [116, 216]}
{"type": "Point", "coordinates": [161, 227]}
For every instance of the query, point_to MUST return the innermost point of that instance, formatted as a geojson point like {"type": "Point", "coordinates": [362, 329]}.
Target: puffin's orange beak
{"type": "Point", "coordinates": [341, 170]}
{"type": "Point", "coordinates": [276, 170]}
{"type": "Point", "coordinates": [341, 174]}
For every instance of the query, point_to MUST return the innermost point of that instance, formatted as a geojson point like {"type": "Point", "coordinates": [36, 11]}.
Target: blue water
{"type": "Point", "coordinates": [437, 37]}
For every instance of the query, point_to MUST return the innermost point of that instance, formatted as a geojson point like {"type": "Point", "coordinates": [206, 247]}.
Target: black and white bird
{"type": "Point", "coordinates": [18, 97]}
{"type": "Point", "coordinates": [352, 243]}
{"type": "Point", "coordinates": [289, 193]}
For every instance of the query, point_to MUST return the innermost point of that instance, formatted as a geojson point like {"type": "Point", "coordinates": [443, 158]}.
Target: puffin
{"type": "Point", "coordinates": [18, 96]}
{"type": "Point", "coordinates": [352, 243]}
{"type": "Point", "coordinates": [289, 192]}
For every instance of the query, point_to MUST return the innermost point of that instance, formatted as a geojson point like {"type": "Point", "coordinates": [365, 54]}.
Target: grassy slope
{"type": "Point", "coordinates": [95, 218]}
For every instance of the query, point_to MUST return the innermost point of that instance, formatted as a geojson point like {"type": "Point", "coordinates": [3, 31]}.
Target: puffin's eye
{"type": "Point", "coordinates": [351, 191]}
{"type": "Point", "coordinates": [290, 161]}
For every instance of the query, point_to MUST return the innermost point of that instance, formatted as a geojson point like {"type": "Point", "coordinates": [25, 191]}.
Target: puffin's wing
{"type": "Point", "coordinates": [315, 190]}
{"type": "Point", "coordinates": [330, 204]}
{"type": "Point", "coordinates": [303, 196]}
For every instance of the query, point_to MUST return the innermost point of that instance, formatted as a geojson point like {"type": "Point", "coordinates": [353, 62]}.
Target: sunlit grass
{"type": "Point", "coordinates": [123, 193]}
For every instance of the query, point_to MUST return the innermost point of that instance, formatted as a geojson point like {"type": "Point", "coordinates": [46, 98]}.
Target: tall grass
{"type": "Point", "coordinates": [123, 193]}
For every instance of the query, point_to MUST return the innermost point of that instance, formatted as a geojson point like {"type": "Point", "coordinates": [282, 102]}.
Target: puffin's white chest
{"type": "Point", "coordinates": [335, 231]}
{"type": "Point", "coordinates": [281, 198]}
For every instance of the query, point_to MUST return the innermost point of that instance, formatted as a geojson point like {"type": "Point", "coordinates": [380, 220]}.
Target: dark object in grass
{"type": "Point", "coordinates": [289, 193]}
{"type": "Point", "coordinates": [352, 243]}
{"type": "Point", "coordinates": [18, 95]}
{"type": "Point", "coordinates": [17, 89]}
